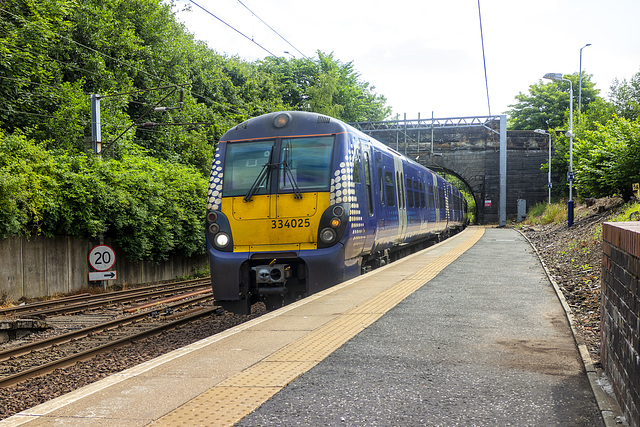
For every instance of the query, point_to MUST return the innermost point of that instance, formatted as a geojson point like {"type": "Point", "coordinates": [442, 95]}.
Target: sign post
{"type": "Point", "coordinates": [101, 259]}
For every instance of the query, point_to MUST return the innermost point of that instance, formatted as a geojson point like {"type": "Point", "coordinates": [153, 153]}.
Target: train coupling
{"type": "Point", "coordinates": [272, 273]}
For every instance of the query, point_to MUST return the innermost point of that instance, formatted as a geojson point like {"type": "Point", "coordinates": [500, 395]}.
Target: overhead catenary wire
{"type": "Point", "coordinates": [268, 26]}
{"type": "Point", "coordinates": [235, 29]}
{"type": "Point", "coordinates": [484, 61]}
{"type": "Point", "coordinates": [104, 55]}
{"type": "Point", "coordinates": [90, 48]}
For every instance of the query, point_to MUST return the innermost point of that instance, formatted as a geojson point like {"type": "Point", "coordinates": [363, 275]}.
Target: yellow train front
{"type": "Point", "coordinates": [299, 202]}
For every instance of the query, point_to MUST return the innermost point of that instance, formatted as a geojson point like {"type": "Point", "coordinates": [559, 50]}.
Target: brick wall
{"type": "Point", "coordinates": [620, 352]}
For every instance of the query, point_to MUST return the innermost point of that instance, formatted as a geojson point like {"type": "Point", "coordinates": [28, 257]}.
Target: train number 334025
{"type": "Point", "coordinates": [290, 223]}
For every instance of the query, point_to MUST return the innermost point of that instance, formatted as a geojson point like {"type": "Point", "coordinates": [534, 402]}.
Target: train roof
{"type": "Point", "coordinates": [298, 123]}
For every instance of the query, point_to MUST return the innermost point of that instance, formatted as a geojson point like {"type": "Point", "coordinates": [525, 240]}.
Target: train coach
{"type": "Point", "coordinates": [300, 201]}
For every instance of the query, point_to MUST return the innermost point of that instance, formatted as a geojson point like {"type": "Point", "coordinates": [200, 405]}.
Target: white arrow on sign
{"type": "Point", "coordinates": [95, 276]}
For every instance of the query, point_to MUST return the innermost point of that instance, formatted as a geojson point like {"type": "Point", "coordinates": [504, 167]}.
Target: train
{"type": "Point", "coordinates": [300, 201]}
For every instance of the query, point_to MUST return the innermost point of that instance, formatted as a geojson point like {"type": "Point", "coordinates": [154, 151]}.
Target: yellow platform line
{"type": "Point", "coordinates": [239, 395]}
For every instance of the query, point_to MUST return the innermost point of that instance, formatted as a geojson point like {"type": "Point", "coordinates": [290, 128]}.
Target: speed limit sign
{"type": "Point", "coordinates": [102, 257]}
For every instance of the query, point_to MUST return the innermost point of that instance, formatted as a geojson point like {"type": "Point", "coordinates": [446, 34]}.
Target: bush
{"type": "Point", "coordinates": [543, 213]}
{"type": "Point", "coordinates": [149, 207]}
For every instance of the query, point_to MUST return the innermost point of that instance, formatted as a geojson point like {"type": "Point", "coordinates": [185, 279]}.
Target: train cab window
{"type": "Point", "coordinates": [244, 163]}
{"type": "Point", "coordinates": [409, 193]}
{"type": "Point", "coordinates": [388, 186]}
{"type": "Point", "coordinates": [305, 163]}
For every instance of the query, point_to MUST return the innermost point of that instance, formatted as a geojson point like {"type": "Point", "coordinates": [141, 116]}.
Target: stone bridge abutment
{"type": "Point", "coordinates": [472, 152]}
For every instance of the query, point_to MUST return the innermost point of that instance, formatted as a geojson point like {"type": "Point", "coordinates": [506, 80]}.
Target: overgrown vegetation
{"type": "Point", "coordinates": [606, 146]}
{"type": "Point", "coordinates": [147, 190]}
{"type": "Point", "coordinates": [543, 213]}
{"type": "Point", "coordinates": [467, 193]}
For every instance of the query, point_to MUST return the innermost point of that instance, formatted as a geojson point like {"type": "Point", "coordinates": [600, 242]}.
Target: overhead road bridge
{"type": "Point", "coordinates": [499, 166]}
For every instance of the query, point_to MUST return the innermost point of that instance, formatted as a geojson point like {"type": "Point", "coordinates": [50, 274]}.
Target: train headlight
{"type": "Point", "coordinates": [214, 228]}
{"type": "Point", "coordinates": [281, 120]}
{"type": "Point", "coordinates": [212, 216]}
{"type": "Point", "coordinates": [221, 240]}
{"type": "Point", "coordinates": [328, 235]}
{"type": "Point", "coordinates": [335, 222]}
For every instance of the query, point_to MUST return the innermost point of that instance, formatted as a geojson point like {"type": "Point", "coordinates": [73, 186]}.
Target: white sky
{"type": "Point", "coordinates": [426, 55]}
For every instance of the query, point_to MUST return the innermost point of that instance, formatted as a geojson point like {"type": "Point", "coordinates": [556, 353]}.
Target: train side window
{"type": "Point", "coordinates": [409, 193]}
{"type": "Point", "coordinates": [367, 181]}
{"type": "Point", "coordinates": [381, 186]}
{"type": "Point", "coordinates": [422, 197]}
{"type": "Point", "coordinates": [388, 183]}
{"type": "Point", "coordinates": [416, 193]}
{"type": "Point", "coordinates": [431, 197]}
{"type": "Point", "coordinates": [356, 167]}
{"type": "Point", "coordinates": [402, 201]}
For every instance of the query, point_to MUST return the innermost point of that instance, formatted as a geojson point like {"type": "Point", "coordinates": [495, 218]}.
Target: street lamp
{"type": "Point", "coordinates": [580, 79]}
{"type": "Point", "coordinates": [549, 185]}
{"type": "Point", "coordinates": [560, 77]}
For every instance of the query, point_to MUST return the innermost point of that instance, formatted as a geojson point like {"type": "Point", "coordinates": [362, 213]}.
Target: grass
{"type": "Point", "coordinates": [543, 213]}
{"type": "Point", "coordinates": [629, 212]}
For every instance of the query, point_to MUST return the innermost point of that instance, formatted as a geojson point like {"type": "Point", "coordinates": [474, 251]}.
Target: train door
{"type": "Point", "coordinates": [447, 201]}
{"type": "Point", "coordinates": [369, 211]}
{"type": "Point", "coordinates": [436, 197]}
{"type": "Point", "coordinates": [400, 197]}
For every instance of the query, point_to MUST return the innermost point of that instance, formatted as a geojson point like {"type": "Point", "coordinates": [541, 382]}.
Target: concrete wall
{"type": "Point", "coordinates": [40, 266]}
{"type": "Point", "coordinates": [620, 293]}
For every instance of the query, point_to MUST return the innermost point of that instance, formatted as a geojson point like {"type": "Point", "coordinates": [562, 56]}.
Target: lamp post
{"type": "Point", "coordinates": [549, 185]}
{"type": "Point", "coordinates": [560, 77]}
{"type": "Point", "coordinates": [580, 79]}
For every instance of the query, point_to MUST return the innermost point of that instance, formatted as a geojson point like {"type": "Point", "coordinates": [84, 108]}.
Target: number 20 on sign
{"type": "Point", "coordinates": [102, 257]}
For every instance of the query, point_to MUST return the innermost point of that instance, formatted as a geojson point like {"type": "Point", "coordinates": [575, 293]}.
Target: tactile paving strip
{"type": "Point", "coordinates": [239, 395]}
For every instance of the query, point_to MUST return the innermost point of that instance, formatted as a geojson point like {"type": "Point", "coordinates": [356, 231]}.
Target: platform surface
{"type": "Point", "coordinates": [468, 332]}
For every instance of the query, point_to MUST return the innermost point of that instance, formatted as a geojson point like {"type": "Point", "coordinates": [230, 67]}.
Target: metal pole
{"type": "Point", "coordinates": [549, 176]}
{"type": "Point", "coordinates": [580, 78]}
{"type": "Point", "coordinates": [397, 131]}
{"type": "Point", "coordinates": [503, 170]}
{"type": "Point", "coordinates": [96, 137]}
{"type": "Point", "coordinates": [418, 134]}
{"type": "Point", "coordinates": [431, 133]}
{"type": "Point", "coordinates": [570, 177]}
{"type": "Point", "coordinates": [405, 134]}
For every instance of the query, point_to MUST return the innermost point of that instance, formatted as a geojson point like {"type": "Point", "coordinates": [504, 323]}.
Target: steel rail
{"type": "Point", "coordinates": [88, 354]}
{"type": "Point", "coordinates": [88, 297]}
{"type": "Point", "coordinates": [81, 333]}
{"type": "Point", "coordinates": [109, 299]}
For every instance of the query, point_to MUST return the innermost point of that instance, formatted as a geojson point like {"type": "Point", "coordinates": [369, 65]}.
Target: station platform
{"type": "Point", "coordinates": [467, 332]}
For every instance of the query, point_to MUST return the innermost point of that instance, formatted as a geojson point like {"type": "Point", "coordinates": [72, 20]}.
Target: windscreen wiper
{"type": "Point", "coordinates": [289, 173]}
{"type": "Point", "coordinates": [262, 177]}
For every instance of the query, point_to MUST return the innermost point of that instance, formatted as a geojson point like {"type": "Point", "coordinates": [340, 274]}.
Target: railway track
{"type": "Point", "coordinates": [165, 307]}
{"type": "Point", "coordinates": [41, 357]}
{"type": "Point", "coordinates": [83, 302]}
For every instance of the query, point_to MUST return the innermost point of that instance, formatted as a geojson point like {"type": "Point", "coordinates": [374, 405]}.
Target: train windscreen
{"type": "Point", "coordinates": [245, 164]}
{"type": "Point", "coordinates": [305, 164]}
{"type": "Point", "coordinates": [301, 164]}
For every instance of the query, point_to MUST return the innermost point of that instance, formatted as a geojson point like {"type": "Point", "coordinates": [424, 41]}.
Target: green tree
{"type": "Point", "coordinates": [328, 86]}
{"type": "Point", "coordinates": [625, 97]}
{"type": "Point", "coordinates": [546, 105]}
{"type": "Point", "coordinates": [608, 158]}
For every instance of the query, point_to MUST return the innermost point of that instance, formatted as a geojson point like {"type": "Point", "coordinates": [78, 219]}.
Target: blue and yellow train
{"type": "Point", "coordinates": [299, 202]}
